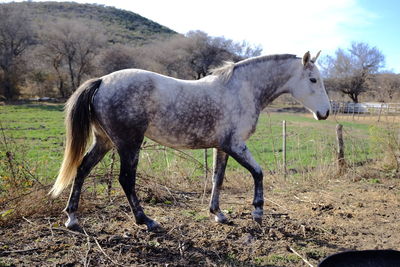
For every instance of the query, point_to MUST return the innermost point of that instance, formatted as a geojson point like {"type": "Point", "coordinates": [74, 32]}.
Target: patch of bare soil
{"type": "Point", "coordinates": [312, 221]}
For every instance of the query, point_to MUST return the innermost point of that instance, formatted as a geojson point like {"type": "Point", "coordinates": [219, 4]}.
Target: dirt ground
{"type": "Point", "coordinates": [312, 219]}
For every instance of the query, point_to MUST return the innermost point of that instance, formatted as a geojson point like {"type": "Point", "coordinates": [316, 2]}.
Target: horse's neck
{"type": "Point", "coordinates": [266, 79]}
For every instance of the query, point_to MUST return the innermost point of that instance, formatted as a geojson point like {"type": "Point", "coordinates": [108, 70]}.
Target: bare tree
{"type": "Point", "coordinates": [207, 52]}
{"type": "Point", "coordinates": [118, 57]}
{"type": "Point", "coordinates": [169, 57]}
{"type": "Point", "coordinates": [194, 55]}
{"type": "Point", "coordinates": [71, 47]}
{"type": "Point", "coordinates": [16, 35]}
{"type": "Point", "coordinates": [387, 86]}
{"type": "Point", "coordinates": [350, 71]}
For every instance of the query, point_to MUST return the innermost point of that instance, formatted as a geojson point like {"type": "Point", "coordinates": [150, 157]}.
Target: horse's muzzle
{"type": "Point", "coordinates": [322, 117]}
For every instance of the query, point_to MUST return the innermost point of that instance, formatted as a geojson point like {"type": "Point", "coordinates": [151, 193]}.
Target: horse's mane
{"type": "Point", "coordinates": [225, 71]}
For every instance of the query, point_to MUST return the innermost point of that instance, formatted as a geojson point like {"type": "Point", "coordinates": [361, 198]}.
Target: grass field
{"type": "Point", "coordinates": [34, 133]}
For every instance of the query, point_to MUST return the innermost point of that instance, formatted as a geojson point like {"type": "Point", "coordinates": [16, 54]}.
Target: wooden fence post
{"type": "Point", "coordinates": [205, 175]}
{"type": "Point", "coordinates": [380, 112]}
{"type": "Point", "coordinates": [284, 147]}
{"type": "Point", "coordinates": [110, 175]}
{"type": "Point", "coordinates": [340, 149]}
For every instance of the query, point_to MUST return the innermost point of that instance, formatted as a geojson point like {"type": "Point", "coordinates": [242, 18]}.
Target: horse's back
{"type": "Point", "coordinates": [170, 111]}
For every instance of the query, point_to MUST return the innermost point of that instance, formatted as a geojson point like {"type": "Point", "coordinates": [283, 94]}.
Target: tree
{"type": "Point", "coordinates": [118, 57]}
{"type": "Point", "coordinates": [208, 52]}
{"type": "Point", "coordinates": [205, 52]}
{"type": "Point", "coordinates": [71, 47]}
{"type": "Point", "coordinates": [16, 35]}
{"type": "Point", "coordinates": [194, 55]}
{"type": "Point", "coordinates": [350, 71]}
{"type": "Point", "coordinates": [387, 86]}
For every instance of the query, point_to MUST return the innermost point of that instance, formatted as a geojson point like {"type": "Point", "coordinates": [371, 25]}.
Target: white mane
{"type": "Point", "coordinates": [225, 71]}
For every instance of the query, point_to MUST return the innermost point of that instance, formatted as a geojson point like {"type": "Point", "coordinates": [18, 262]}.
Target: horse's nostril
{"type": "Point", "coordinates": [320, 117]}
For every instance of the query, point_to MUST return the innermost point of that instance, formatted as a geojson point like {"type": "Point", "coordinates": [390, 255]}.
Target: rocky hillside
{"type": "Point", "coordinates": [121, 26]}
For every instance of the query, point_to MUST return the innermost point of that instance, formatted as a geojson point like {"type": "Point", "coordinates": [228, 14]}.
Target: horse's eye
{"type": "Point", "coordinates": [313, 80]}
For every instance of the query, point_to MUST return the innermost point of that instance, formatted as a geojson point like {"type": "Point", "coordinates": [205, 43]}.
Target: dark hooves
{"type": "Point", "coordinates": [75, 228]}
{"type": "Point", "coordinates": [153, 226]}
{"type": "Point", "coordinates": [258, 220]}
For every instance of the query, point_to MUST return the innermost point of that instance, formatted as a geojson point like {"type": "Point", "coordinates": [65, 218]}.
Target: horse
{"type": "Point", "coordinates": [219, 111]}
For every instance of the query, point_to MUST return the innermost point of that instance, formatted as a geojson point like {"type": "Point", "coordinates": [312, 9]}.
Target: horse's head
{"type": "Point", "coordinates": [308, 88]}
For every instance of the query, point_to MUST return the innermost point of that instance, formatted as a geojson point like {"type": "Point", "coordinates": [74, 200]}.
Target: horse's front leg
{"type": "Point", "coordinates": [220, 160]}
{"type": "Point", "coordinates": [240, 152]}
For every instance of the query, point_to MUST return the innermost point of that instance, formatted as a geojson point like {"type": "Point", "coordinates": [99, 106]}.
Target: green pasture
{"type": "Point", "coordinates": [34, 133]}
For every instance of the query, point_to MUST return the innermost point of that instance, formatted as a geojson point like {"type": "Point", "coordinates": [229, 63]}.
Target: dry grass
{"type": "Point", "coordinates": [316, 217]}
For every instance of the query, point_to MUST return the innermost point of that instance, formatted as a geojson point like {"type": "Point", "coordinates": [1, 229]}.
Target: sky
{"type": "Point", "coordinates": [282, 26]}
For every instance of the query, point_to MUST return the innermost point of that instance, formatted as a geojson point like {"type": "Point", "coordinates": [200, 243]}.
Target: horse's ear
{"type": "Point", "coordinates": [306, 58]}
{"type": "Point", "coordinates": [314, 59]}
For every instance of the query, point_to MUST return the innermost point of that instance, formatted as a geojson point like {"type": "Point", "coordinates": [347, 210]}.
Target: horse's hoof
{"type": "Point", "coordinates": [74, 227]}
{"type": "Point", "coordinates": [153, 226]}
{"type": "Point", "coordinates": [257, 216]}
{"type": "Point", "coordinates": [221, 218]}
{"type": "Point", "coordinates": [72, 222]}
{"type": "Point", "coordinates": [258, 220]}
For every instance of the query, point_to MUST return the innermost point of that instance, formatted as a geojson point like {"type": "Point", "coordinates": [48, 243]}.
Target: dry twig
{"type": "Point", "coordinates": [51, 228]}
{"type": "Point", "coordinates": [86, 261]}
{"type": "Point", "coordinates": [30, 222]}
{"type": "Point", "coordinates": [68, 231]}
{"type": "Point", "coordinates": [104, 253]}
{"type": "Point", "coordinates": [304, 259]}
{"type": "Point", "coordinates": [17, 251]}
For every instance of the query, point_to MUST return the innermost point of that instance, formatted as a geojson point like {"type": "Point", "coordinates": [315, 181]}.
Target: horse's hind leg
{"type": "Point", "coordinates": [129, 155]}
{"type": "Point", "coordinates": [220, 160]}
{"type": "Point", "coordinates": [92, 157]}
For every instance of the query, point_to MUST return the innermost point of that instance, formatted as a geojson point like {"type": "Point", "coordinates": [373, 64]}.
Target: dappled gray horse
{"type": "Point", "coordinates": [219, 111]}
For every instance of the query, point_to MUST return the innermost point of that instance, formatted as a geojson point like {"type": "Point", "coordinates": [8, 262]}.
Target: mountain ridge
{"type": "Point", "coordinates": [120, 26]}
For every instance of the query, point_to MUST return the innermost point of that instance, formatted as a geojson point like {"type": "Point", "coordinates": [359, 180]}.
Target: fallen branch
{"type": "Point", "coordinates": [104, 253]}
{"type": "Point", "coordinates": [307, 201]}
{"type": "Point", "coordinates": [273, 202]}
{"type": "Point", "coordinates": [51, 228]}
{"type": "Point", "coordinates": [86, 261]}
{"type": "Point", "coordinates": [17, 251]}
{"type": "Point", "coordinates": [68, 231]}
{"type": "Point", "coordinates": [30, 222]}
{"type": "Point", "coordinates": [297, 254]}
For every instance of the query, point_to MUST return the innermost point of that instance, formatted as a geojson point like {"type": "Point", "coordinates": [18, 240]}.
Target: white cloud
{"type": "Point", "coordinates": [282, 26]}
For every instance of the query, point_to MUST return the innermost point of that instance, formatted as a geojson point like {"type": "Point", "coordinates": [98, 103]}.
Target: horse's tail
{"type": "Point", "coordinates": [78, 123]}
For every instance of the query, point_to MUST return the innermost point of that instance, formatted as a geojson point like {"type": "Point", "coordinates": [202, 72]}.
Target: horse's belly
{"type": "Point", "coordinates": [177, 138]}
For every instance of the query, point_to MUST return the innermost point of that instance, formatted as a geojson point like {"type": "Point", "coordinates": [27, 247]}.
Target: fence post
{"type": "Point", "coordinates": [110, 175]}
{"type": "Point", "coordinates": [284, 147]}
{"type": "Point", "coordinates": [340, 149]}
{"type": "Point", "coordinates": [205, 175]}
{"type": "Point", "coordinates": [380, 112]}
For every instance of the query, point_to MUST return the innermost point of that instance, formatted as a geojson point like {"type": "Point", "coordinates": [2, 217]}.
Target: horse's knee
{"type": "Point", "coordinates": [258, 173]}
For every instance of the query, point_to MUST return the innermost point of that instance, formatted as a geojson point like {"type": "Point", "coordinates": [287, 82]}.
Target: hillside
{"type": "Point", "coordinates": [120, 26]}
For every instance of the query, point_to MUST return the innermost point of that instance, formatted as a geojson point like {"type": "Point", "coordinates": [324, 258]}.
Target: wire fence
{"type": "Point", "coordinates": [373, 111]}
{"type": "Point", "coordinates": [294, 147]}
{"type": "Point", "coordinates": [299, 148]}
